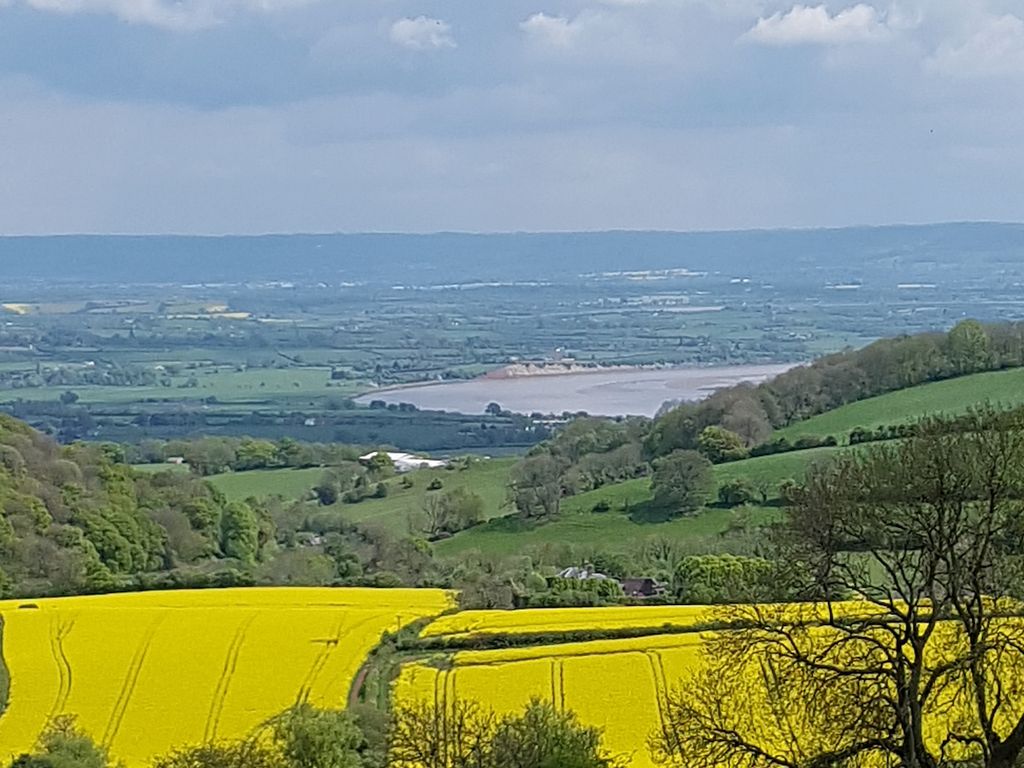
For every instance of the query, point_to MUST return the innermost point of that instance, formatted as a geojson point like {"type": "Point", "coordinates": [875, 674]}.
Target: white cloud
{"type": "Point", "coordinates": [803, 25]}
{"type": "Point", "coordinates": [422, 34]}
{"type": "Point", "coordinates": [167, 14]}
{"type": "Point", "coordinates": [556, 31]}
{"type": "Point", "coordinates": [997, 48]}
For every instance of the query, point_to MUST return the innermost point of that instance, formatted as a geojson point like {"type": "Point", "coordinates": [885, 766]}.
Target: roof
{"type": "Point", "coordinates": [582, 574]}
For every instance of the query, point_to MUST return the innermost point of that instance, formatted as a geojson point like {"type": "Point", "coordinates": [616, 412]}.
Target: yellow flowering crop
{"type": "Point", "coordinates": [469, 623]}
{"type": "Point", "coordinates": [147, 672]}
{"type": "Point", "coordinates": [617, 685]}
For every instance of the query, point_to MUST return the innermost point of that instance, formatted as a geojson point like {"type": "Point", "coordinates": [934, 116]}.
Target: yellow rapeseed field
{"type": "Point", "coordinates": [469, 623]}
{"type": "Point", "coordinates": [617, 685]}
{"type": "Point", "coordinates": [147, 672]}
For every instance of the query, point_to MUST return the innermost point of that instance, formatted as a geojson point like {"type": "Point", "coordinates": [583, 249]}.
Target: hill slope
{"type": "Point", "coordinates": [949, 397]}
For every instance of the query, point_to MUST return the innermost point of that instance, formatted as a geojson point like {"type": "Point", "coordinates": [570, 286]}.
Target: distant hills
{"type": "Point", "coordinates": [917, 251]}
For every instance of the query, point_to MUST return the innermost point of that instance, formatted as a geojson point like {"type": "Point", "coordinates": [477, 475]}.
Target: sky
{"type": "Point", "coordinates": [249, 116]}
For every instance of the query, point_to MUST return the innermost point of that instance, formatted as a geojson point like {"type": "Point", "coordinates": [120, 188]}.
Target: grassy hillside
{"type": "Point", "coordinates": [949, 397]}
{"type": "Point", "coordinates": [486, 477]}
{"type": "Point", "coordinates": [629, 517]}
{"type": "Point", "coordinates": [289, 483]}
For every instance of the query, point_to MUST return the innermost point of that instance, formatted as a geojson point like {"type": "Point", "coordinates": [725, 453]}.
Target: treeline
{"type": "Point", "coordinates": [752, 413]}
{"type": "Point", "coordinates": [430, 735]}
{"type": "Point", "coordinates": [738, 422]}
{"type": "Point", "coordinates": [104, 375]}
{"type": "Point", "coordinates": [77, 519]}
{"type": "Point", "coordinates": [215, 455]}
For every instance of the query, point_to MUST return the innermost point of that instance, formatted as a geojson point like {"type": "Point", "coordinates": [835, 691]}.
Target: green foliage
{"type": "Point", "coordinates": [574, 593]}
{"type": "Point", "coordinates": [681, 482]}
{"type": "Point", "coordinates": [450, 512]}
{"type": "Point", "coordinates": [535, 486]}
{"type": "Point", "coordinates": [380, 465]}
{"type": "Point", "coordinates": [240, 532]}
{"type": "Point", "coordinates": [464, 736]}
{"type": "Point", "coordinates": [968, 347]}
{"type": "Point", "coordinates": [245, 754]}
{"type": "Point", "coordinates": [311, 738]}
{"type": "Point", "coordinates": [543, 737]}
{"type": "Point", "coordinates": [302, 737]}
{"type": "Point", "coordinates": [62, 745]}
{"type": "Point", "coordinates": [720, 445]}
{"type": "Point", "coordinates": [737, 491]}
{"type": "Point", "coordinates": [715, 579]}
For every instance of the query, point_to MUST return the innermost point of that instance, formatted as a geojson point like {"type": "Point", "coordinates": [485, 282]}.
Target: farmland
{"type": "Point", "coordinates": [289, 483]}
{"type": "Point", "coordinates": [950, 397]}
{"type": "Point", "coordinates": [219, 351]}
{"type": "Point", "coordinates": [224, 660]}
{"type": "Point", "coordinates": [627, 517]}
{"type": "Point", "coordinates": [618, 685]}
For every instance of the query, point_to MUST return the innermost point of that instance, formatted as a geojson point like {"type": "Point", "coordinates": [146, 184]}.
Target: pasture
{"type": "Point", "coordinates": [950, 397]}
{"type": "Point", "coordinates": [627, 518]}
{"type": "Point", "coordinates": [287, 483]}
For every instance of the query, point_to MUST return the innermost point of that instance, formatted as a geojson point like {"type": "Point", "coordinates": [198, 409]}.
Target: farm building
{"type": "Point", "coordinates": [406, 462]}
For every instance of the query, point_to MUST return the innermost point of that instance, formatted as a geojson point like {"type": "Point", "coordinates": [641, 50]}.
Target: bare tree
{"type": "Point", "coordinates": [440, 735]}
{"type": "Point", "coordinates": [913, 655]}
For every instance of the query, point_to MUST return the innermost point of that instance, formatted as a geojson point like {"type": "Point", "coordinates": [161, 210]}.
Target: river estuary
{"type": "Point", "coordinates": [617, 392]}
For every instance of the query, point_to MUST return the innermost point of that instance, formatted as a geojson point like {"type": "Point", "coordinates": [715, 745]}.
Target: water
{"type": "Point", "coordinates": [605, 393]}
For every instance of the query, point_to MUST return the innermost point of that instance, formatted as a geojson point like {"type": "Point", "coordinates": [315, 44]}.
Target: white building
{"type": "Point", "coordinates": [407, 462]}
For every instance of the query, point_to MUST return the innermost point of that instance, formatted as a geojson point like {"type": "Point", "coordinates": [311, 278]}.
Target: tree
{"type": "Point", "coordinates": [62, 745]}
{"type": "Point", "coordinates": [968, 347]}
{"type": "Point", "coordinates": [681, 482]}
{"type": "Point", "coordinates": [459, 734]}
{"type": "Point", "coordinates": [240, 532]}
{"type": "Point", "coordinates": [737, 491]}
{"type": "Point", "coordinates": [543, 737]}
{"type": "Point", "coordinates": [244, 754]}
{"type": "Point", "coordinates": [69, 397]}
{"type": "Point", "coordinates": [380, 466]}
{"type": "Point", "coordinates": [493, 409]}
{"type": "Point", "coordinates": [711, 579]}
{"type": "Point", "coordinates": [535, 486]}
{"type": "Point", "coordinates": [313, 738]}
{"type": "Point", "coordinates": [923, 671]}
{"type": "Point", "coordinates": [719, 445]}
{"type": "Point", "coordinates": [255, 454]}
{"type": "Point", "coordinates": [451, 511]}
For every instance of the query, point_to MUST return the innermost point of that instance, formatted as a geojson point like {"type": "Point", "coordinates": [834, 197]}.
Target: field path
{"type": "Point", "coordinates": [131, 679]}
{"type": "Point", "coordinates": [220, 693]}
{"type": "Point", "coordinates": [60, 629]}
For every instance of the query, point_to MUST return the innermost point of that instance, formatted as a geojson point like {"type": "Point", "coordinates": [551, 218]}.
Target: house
{"type": "Point", "coordinates": [581, 574]}
{"type": "Point", "coordinates": [406, 462]}
{"type": "Point", "coordinates": [642, 588]}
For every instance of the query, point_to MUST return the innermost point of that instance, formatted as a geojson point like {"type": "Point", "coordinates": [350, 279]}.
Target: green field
{"type": "Point", "coordinates": [289, 483]}
{"type": "Point", "coordinates": [486, 477]}
{"type": "Point", "coordinates": [952, 396]}
{"type": "Point", "coordinates": [223, 383]}
{"type": "Point", "coordinates": [628, 519]}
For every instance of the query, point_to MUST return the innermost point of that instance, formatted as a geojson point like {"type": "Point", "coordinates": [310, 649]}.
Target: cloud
{"type": "Point", "coordinates": [422, 34]}
{"type": "Point", "coordinates": [996, 49]}
{"type": "Point", "coordinates": [167, 14]}
{"type": "Point", "coordinates": [806, 25]}
{"type": "Point", "coordinates": [556, 31]}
